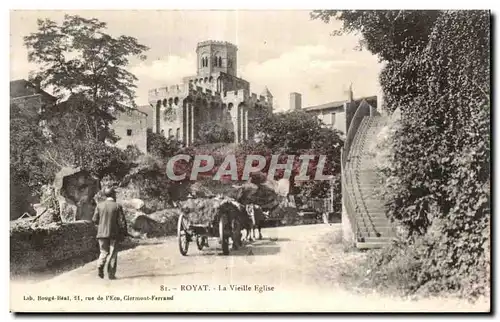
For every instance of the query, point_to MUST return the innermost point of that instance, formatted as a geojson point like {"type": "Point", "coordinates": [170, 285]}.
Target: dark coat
{"type": "Point", "coordinates": [110, 218]}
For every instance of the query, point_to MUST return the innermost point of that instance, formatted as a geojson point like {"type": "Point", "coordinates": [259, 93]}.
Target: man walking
{"type": "Point", "coordinates": [111, 229]}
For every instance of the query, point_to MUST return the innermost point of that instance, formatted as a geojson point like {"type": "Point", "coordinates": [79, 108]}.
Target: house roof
{"type": "Point", "coordinates": [146, 109]}
{"type": "Point", "coordinates": [22, 87]}
{"type": "Point", "coordinates": [330, 105]}
{"type": "Point", "coordinates": [339, 104]}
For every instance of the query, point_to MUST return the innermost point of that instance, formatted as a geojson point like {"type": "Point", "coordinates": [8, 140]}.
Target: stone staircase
{"type": "Point", "coordinates": [374, 229]}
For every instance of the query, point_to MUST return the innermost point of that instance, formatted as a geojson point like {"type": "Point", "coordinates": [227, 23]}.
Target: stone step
{"type": "Point", "coordinates": [363, 231]}
{"type": "Point", "coordinates": [373, 222]}
{"type": "Point", "coordinates": [367, 178]}
{"type": "Point", "coordinates": [380, 227]}
{"type": "Point", "coordinates": [365, 200]}
{"type": "Point", "coordinates": [374, 226]}
{"type": "Point", "coordinates": [367, 203]}
{"type": "Point", "coordinates": [384, 231]}
{"type": "Point", "coordinates": [363, 184]}
{"type": "Point", "coordinates": [372, 218]}
{"type": "Point", "coordinates": [368, 192]}
{"type": "Point", "coordinates": [365, 171]}
{"type": "Point", "coordinates": [364, 209]}
{"type": "Point", "coordinates": [371, 245]}
{"type": "Point", "coordinates": [378, 214]}
{"type": "Point", "coordinates": [368, 206]}
{"type": "Point", "coordinates": [377, 240]}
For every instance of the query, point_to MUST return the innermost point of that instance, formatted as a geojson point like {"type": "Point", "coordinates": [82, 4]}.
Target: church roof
{"type": "Point", "coordinates": [266, 92]}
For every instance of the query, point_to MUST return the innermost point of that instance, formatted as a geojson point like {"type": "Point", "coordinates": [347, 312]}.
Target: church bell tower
{"type": "Point", "coordinates": [216, 56]}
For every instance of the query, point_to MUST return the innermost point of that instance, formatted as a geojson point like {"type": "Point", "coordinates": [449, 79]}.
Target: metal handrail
{"type": "Point", "coordinates": [351, 212]}
{"type": "Point", "coordinates": [372, 123]}
{"type": "Point", "coordinates": [354, 126]}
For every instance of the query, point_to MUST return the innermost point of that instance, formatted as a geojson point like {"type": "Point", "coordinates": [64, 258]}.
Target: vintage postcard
{"type": "Point", "coordinates": [250, 161]}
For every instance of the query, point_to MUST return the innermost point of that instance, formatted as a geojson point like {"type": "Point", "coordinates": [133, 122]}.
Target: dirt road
{"type": "Point", "coordinates": [286, 271]}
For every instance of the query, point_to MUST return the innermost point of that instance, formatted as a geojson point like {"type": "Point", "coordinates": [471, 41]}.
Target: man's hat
{"type": "Point", "coordinates": [109, 192]}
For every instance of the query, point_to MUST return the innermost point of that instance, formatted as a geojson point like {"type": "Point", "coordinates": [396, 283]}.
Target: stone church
{"type": "Point", "coordinates": [214, 95]}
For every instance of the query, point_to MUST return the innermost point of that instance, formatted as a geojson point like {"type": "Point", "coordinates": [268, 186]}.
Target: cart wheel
{"type": "Point", "coordinates": [224, 240]}
{"type": "Point", "coordinates": [183, 235]}
{"type": "Point", "coordinates": [200, 242]}
{"type": "Point", "coordinates": [236, 234]}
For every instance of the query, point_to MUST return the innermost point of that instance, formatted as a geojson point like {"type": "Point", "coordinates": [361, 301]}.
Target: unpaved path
{"type": "Point", "coordinates": [288, 265]}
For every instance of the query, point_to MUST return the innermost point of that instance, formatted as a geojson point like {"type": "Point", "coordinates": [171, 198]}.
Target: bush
{"type": "Point", "coordinates": [439, 186]}
{"type": "Point", "coordinates": [213, 132]}
{"type": "Point", "coordinates": [159, 146]}
{"type": "Point", "coordinates": [437, 181]}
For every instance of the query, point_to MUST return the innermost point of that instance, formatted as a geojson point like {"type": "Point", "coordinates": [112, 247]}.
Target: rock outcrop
{"type": "Point", "coordinates": [75, 190]}
{"type": "Point", "coordinates": [158, 224]}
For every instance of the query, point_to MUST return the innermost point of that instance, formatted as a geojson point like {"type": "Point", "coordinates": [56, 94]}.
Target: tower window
{"type": "Point", "coordinates": [204, 61]}
{"type": "Point", "coordinates": [215, 61]}
{"type": "Point", "coordinates": [129, 132]}
{"type": "Point", "coordinates": [220, 61]}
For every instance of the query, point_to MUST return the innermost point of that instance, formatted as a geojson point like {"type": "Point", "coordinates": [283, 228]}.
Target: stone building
{"type": "Point", "coordinates": [334, 114]}
{"type": "Point", "coordinates": [131, 126]}
{"type": "Point", "coordinates": [215, 94]}
{"type": "Point", "coordinates": [31, 100]}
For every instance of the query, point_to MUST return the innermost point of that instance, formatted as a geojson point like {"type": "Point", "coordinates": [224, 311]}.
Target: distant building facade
{"type": "Point", "coordinates": [334, 114]}
{"type": "Point", "coordinates": [131, 126]}
{"type": "Point", "coordinates": [214, 94]}
{"type": "Point", "coordinates": [28, 96]}
{"type": "Point", "coordinates": [295, 101]}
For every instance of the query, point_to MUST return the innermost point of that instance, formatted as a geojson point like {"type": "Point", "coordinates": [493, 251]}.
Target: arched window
{"type": "Point", "coordinates": [178, 134]}
{"type": "Point", "coordinates": [204, 61]}
{"type": "Point", "coordinates": [169, 133]}
{"type": "Point", "coordinates": [220, 61]}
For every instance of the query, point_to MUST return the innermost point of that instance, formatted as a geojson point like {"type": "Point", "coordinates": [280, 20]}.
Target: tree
{"type": "Point", "coordinates": [79, 58]}
{"type": "Point", "coordinates": [26, 144]}
{"type": "Point", "coordinates": [28, 172]}
{"type": "Point", "coordinates": [298, 133]}
{"type": "Point", "coordinates": [213, 132]}
{"type": "Point", "coordinates": [161, 147]}
{"type": "Point", "coordinates": [390, 34]}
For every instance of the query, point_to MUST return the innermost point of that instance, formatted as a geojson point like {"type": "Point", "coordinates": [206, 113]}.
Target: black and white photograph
{"type": "Point", "coordinates": [250, 161]}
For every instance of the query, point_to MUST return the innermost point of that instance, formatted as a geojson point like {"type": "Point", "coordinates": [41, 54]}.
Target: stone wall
{"type": "Point", "coordinates": [35, 249]}
{"type": "Point", "coordinates": [131, 126]}
{"type": "Point", "coordinates": [30, 106]}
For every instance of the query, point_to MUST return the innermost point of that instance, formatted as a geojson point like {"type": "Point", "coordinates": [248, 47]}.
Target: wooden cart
{"type": "Point", "coordinates": [223, 227]}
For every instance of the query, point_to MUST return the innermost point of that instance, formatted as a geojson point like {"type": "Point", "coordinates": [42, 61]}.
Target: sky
{"type": "Point", "coordinates": [283, 49]}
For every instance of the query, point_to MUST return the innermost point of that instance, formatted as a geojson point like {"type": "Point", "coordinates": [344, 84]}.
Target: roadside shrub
{"type": "Point", "coordinates": [439, 184]}
{"type": "Point", "coordinates": [437, 174]}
